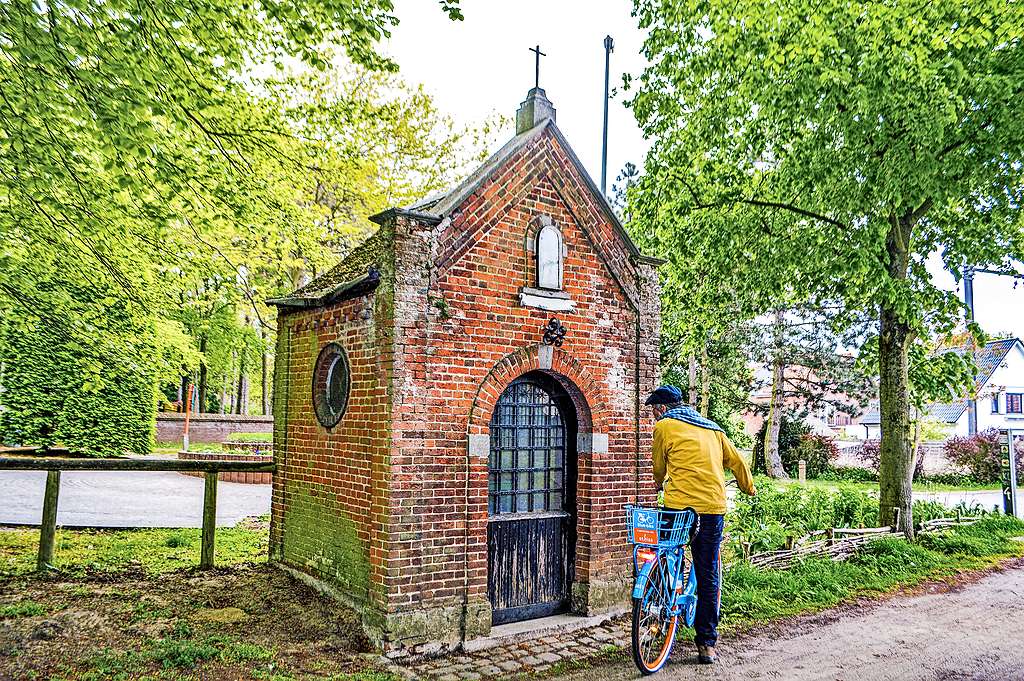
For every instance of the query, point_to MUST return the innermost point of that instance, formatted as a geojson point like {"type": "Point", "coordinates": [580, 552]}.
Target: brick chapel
{"type": "Point", "coordinates": [458, 415]}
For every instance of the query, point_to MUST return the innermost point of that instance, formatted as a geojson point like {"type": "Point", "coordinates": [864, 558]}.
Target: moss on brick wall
{"type": "Point", "coordinates": [320, 539]}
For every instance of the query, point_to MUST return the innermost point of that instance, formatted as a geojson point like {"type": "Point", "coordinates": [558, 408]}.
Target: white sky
{"type": "Point", "coordinates": [481, 66]}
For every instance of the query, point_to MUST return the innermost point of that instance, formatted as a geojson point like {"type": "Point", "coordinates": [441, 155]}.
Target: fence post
{"type": "Point", "coordinates": [48, 524]}
{"type": "Point", "coordinates": [209, 519]}
{"type": "Point", "coordinates": [803, 471]}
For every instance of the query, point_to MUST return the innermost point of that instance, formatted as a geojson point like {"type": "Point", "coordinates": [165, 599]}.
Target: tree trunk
{"type": "Point", "coordinates": [201, 407]}
{"type": "Point", "coordinates": [242, 403]}
{"type": "Point", "coordinates": [772, 457]}
{"type": "Point", "coordinates": [705, 382]}
{"type": "Point", "coordinates": [264, 367]}
{"type": "Point", "coordinates": [693, 380]}
{"type": "Point", "coordinates": [896, 466]}
{"type": "Point", "coordinates": [183, 390]}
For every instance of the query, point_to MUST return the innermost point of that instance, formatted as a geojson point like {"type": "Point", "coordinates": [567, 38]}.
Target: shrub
{"type": "Point", "coordinates": [979, 455]}
{"type": "Point", "coordinates": [871, 453]}
{"type": "Point", "coordinates": [818, 451]}
{"type": "Point", "coordinates": [791, 434]}
{"type": "Point", "coordinates": [49, 398]}
{"type": "Point", "coordinates": [953, 480]}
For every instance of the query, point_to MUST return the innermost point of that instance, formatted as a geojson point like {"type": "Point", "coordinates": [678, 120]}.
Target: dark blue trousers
{"type": "Point", "coordinates": [707, 560]}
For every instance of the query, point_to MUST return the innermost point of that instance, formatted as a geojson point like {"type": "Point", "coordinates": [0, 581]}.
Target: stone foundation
{"type": "Point", "coordinates": [601, 596]}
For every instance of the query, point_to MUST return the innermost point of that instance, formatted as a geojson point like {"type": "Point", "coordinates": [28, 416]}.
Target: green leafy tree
{"type": "Point", "coordinates": [138, 154]}
{"type": "Point", "coordinates": [842, 143]}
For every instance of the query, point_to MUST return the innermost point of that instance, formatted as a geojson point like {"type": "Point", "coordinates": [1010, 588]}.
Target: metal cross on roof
{"type": "Point", "coordinates": [536, 76]}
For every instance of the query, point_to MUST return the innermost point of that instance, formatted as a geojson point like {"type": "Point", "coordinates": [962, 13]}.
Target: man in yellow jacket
{"type": "Point", "coordinates": [690, 455]}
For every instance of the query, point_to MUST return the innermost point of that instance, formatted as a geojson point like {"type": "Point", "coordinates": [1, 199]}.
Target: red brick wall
{"type": "Point", "coordinates": [170, 426]}
{"type": "Point", "coordinates": [231, 476]}
{"type": "Point", "coordinates": [329, 487]}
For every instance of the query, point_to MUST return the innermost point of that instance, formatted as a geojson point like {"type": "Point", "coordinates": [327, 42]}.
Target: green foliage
{"type": "Point", "coordinates": [764, 521]}
{"type": "Point", "coordinates": [729, 384]}
{"type": "Point", "coordinates": [848, 474]}
{"type": "Point", "coordinates": [824, 153]}
{"type": "Point", "coordinates": [818, 452]}
{"type": "Point", "coordinates": [754, 595]}
{"type": "Point", "coordinates": [23, 608]}
{"type": "Point", "coordinates": [954, 480]}
{"type": "Point", "coordinates": [161, 179]}
{"type": "Point", "coordinates": [48, 400]}
{"type": "Point", "coordinates": [791, 434]}
{"type": "Point", "coordinates": [893, 556]}
{"type": "Point", "coordinates": [171, 652]}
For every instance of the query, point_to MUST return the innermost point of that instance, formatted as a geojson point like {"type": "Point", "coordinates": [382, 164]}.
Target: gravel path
{"type": "Point", "coordinates": [972, 632]}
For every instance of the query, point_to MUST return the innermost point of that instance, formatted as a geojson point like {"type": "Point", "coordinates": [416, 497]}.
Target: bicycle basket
{"type": "Point", "coordinates": [649, 526]}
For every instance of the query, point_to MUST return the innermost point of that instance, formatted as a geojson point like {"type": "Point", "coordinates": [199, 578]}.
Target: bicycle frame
{"type": "Point", "coordinates": [668, 573]}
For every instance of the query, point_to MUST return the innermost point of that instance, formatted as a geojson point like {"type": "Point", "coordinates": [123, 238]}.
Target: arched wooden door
{"type": "Point", "coordinates": [531, 531]}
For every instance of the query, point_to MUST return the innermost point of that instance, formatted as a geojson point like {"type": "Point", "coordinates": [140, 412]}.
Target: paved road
{"type": "Point", "coordinates": [974, 632]}
{"type": "Point", "coordinates": [988, 499]}
{"type": "Point", "coordinates": [127, 499]}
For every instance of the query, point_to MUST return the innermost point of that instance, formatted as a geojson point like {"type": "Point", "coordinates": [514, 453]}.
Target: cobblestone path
{"type": "Point", "coordinates": [555, 651]}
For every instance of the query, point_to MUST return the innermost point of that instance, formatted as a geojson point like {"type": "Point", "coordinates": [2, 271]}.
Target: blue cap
{"type": "Point", "coordinates": [665, 394]}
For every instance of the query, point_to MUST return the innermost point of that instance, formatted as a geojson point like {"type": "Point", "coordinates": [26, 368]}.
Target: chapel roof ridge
{"type": "Point", "coordinates": [357, 272]}
{"type": "Point", "coordinates": [440, 205]}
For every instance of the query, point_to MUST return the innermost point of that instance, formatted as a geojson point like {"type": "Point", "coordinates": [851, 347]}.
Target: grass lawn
{"type": "Point", "coordinates": [873, 486]}
{"type": "Point", "coordinates": [751, 595]}
{"type": "Point", "coordinates": [132, 605]}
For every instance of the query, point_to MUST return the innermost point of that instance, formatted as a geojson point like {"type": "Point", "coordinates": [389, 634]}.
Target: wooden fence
{"type": "Point", "coordinates": [841, 543]}
{"type": "Point", "coordinates": [60, 460]}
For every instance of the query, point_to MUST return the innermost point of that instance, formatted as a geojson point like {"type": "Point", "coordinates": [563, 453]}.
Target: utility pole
{"type": "Point", "coordinates": [609, 45]}
{"type": "Point", "coordinates": [969, 292]}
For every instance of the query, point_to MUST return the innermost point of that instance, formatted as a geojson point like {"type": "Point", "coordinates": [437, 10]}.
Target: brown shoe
{"type": "Point", "coordinates": [706, 655]}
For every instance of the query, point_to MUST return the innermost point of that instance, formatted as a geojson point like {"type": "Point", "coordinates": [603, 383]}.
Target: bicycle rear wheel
{"type": "Point", "coordinates": [654, 629]}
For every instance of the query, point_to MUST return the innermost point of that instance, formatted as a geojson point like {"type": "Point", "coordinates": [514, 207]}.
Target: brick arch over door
{"type": "Point", "coordinates": [589, 399]}
{"type": "Point", "coordinates": [586, 392]}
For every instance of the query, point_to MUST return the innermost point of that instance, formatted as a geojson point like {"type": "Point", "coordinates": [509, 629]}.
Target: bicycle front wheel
{"type": "Point", "coordinates": [654, 629]}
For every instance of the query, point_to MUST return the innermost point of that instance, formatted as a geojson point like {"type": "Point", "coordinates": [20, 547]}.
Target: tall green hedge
{"type": "Point", "coordinates": [95, 398]}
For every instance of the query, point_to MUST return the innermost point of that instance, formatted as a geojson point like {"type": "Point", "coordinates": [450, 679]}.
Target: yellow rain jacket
{"type": "Point", "coordinates": [689, 465]}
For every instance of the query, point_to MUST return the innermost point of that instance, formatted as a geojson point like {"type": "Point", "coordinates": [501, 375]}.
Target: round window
{"type": "Point", "coordinates": [330, 385]}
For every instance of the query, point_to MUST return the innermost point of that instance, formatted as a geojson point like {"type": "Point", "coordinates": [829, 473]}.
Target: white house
{"type": "Point", "coordinates": [999, 386]}
{"type": "Point", "coordinates": [1000, 390]}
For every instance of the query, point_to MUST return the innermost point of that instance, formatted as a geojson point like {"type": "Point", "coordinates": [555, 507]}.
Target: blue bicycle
{"type": "Point", "coordinates": [661, 595]}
